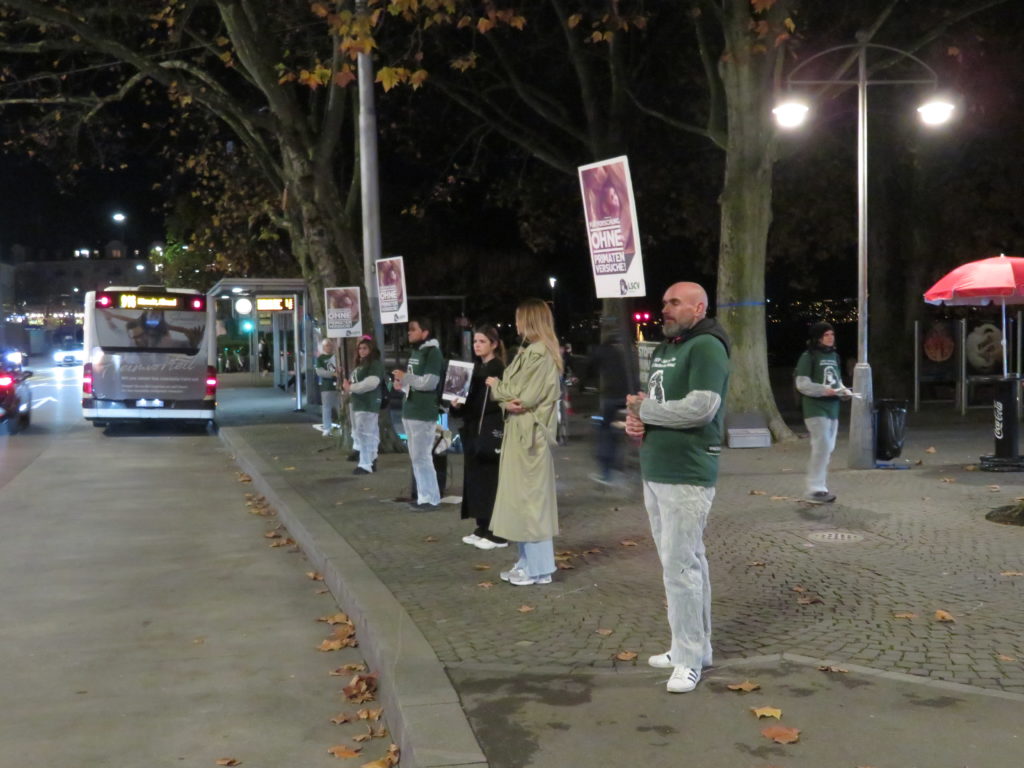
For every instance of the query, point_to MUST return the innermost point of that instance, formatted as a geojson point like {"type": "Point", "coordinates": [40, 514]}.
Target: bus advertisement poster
{"type": "Point", "coordinates": [344, 318]}
{"type": "Point", "coordinates": [391, 295]}
{"type": "Point", "coordinates": [612, 231]}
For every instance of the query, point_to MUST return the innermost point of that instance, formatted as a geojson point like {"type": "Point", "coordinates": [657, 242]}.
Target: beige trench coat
{"type": "Point", "coordinates": [525, 508]}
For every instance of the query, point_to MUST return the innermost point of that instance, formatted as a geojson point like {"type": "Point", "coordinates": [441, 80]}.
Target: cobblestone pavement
{"type": "Point", "coordinates": [902, 542]}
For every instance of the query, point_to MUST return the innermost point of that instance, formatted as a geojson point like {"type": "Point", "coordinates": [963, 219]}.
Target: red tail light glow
{"type": "Point", "coordinates": [211, 381]}
{"type": "Point", "coordinates": [103, 300]}
{"type": "Point", "coordinates": [6, 381]}
{"type": "Point", "coordinates": [87, 379]}
{"type": "Point", "coordinates": [198, 303]}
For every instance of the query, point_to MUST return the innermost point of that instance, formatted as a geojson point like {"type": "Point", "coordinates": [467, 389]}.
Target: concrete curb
{"type": "Point", "coordinates": [422, 708]}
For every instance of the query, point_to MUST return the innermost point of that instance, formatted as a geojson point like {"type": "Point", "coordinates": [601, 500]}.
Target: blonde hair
{"type": "Point", "coordinates": [535, 322]}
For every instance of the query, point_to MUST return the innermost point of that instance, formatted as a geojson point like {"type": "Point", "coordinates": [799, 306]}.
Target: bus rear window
{"type": "Point", "coordinates": [155, 330]}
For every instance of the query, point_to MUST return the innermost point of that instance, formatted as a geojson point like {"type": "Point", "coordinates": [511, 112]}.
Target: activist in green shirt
{"type": "Point", "coordinates": [419, 411]}
{"type": "Point", "coordinates": [327, 376]}
{"type": "Point", "coordinates": [680, 420]}
{"type": "Point", "coordinates": [363, 386]}
{"type": "Point", "coordinates": [817, 378]}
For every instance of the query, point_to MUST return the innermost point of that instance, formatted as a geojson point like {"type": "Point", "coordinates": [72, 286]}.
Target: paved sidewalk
{"type": "Point", "coordinates": [795, 587]}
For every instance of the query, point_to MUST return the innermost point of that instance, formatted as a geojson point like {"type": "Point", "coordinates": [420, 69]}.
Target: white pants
{"type": "Point", "coordinates": [678, 514]}
{"type": "Point", "coordinates": [420, 437]}
{"type": "Point", "coordinates": [823, 441]}
{"type": "Point", "coordinates": [352, 427]}
{"type": "Point", "coordinates": [365, 428]}
{"type": "Point", "coordinates": [328, 402]}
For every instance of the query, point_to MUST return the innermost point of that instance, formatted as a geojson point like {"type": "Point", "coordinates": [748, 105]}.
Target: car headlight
{"type": "Point", "coordinates": [58, 356]}
{"type": "Point", "coordinates": [13, 357]}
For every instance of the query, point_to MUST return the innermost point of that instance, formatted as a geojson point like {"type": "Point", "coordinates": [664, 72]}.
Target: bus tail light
{"type": "Point", "coordinates": [87, 379]}
{"type": "Point", "coordinates": [211, 381]}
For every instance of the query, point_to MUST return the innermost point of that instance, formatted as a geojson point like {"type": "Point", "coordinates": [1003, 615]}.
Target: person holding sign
{"type": "Point", "coordinates": [363, 385]}
{"type": "Point", "coordinates": [419, 411]}
{"type": "Point", "coordinates": [526, 510]}
{"type": "Point", "coordinates": [680, 421]}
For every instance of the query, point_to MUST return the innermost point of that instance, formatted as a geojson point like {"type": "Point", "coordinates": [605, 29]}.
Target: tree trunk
{"type": "Point", "coordinates": [746, 217]}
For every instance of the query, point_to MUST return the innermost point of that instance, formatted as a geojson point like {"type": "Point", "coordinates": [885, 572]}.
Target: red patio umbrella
{"type": "Point", "coordinates": [999, 279]}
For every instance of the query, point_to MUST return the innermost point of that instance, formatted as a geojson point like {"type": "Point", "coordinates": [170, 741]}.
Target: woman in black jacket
{"type": "Point", "coordinates": [481, 415]}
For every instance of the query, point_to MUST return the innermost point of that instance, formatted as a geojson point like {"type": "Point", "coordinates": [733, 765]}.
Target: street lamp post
{"type": "Point", "coordinates": [791, 114]}
{"type": "Point", "coordinates": [120, 219]}
{"type": "Point", "coordinates": [552, 281]}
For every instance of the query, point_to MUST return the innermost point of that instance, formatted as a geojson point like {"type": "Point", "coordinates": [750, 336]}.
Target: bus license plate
{"type": "Point", "coordinates": [144, 403]}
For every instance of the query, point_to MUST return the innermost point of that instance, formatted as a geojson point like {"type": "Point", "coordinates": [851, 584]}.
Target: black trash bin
{"type": "Point", "coordinates": [890, 425]}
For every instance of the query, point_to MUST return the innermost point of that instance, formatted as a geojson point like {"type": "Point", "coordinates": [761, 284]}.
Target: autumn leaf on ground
{"type": "Point", "coordinates": [313, 575]}
{"type": "Point", "coordinates": [628, 543]}
{"type": "Point", "coordinates": [593, 551]}
{"type": "Point", "coordinates": [603, 632]}
{"type": "Point", "coordinates": [760, 712]}
{"type": "Point", "coordinates": [344, 751]}
{"type": "Point", "coordinates": [993, 488]}
{"type": "Point", "coordinates": [746, 686]}
{"type": "Point", "coordinates": [1011, 573]}
{"type": "Point", "coordinates": [759, 493]}
{"type": "Point", "coordinates": [971, 467]}
{"type": "Point", "coordinates": [281, 543]}
{"type": "Point", "coordinates": [782, 735]}
{"type": "Point", "coordinates": [380, 733]}
{"type": "Point", "coordinates": [323, 591]}
{"type": "Point", "coordinates": [361, 689]}
{"type": "Point", "coordinates": [830, 668]}
{"type": "Point", "coordinates": [945, 616]}
{"type": "Point", "coordinates": [564, 554]}
{"type": "Point", "coordinates": [228, 761]}
{"type": "Point", "coordinates": [799, 588]}
{"type": "Point", "coordinates": [756, 564]}
{"type": "Point", "coordinates": [930, 449]}
{"type": "Point", "coordinates": [390, 759]}
{"type": "Point", "coordinates": [1004, 657]}
{"type": "Point", "coordinates": [481, 567]}
{"type": "Point", "coordinates": [344, 717]}
{"type": "Point", "coordinates": [784, 498]}
{"type": "Point", "coordinates": [525, 608]}
{"type": "Point", "coordinates": [272, 535]}
{"type": "Point", "coordinates": [359, 738]}
{"type": "Point", "coordinates": [565, 567]}
{"type": "Point", "coordinates": [346, 669]}
{"type": "Point", "coordinates": [626, 655]}
{"type": "Point", "coordinates": [904, 615]}
{"type": "Point", "coordinates": [338, 618]}
{"type": "Point", "coordinates": [370, 714]}
{"type": "Point", "coordinates": [809, 600]}
{"type": "Point", "coordinates": [949, 479]}
{"type": "Point", "coordinates": [244, 478]}
{"type": "Point", "coordinates": [485, 584]}
{"type": "Point", "coordinates": [431, 539]}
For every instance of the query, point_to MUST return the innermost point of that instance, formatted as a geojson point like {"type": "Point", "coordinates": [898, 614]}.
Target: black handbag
{"type": "Point", "coordinates": [487, 445]}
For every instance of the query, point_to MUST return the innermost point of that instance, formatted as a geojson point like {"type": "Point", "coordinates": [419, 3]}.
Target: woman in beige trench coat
{"type": "Point", "coordinates": [525, 510]}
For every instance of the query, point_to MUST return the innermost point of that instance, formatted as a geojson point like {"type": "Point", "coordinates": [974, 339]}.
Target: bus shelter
{"type": "Point", "coordinates": [273, 316]}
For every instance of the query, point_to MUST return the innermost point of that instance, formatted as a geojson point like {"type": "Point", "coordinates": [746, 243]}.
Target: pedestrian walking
{"type": "Point", "coordinates": [419, 411]}
{"type": "Point", "coordinates": [606, 365]}
{"type": "Point", "coordinates": [819, 382]}
{"type": "Point", "coordinates": [481, 439]}
{"type": "Point", "coordinates": [525, 509]}
{"type": "Point", "coordinates": [363, 385]}
{"type": "Point", "coordinates": [326, 367]}
{"type": "Point", "coordinates": [680, 421]}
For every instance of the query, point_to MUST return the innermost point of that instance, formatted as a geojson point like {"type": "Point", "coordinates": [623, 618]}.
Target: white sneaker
{"type": "Point", "coordinates": [471, 539]}
{"type": "Point", "coordinates": [520, 579]}
{"type": "Point", "coordinates": [482, 543]}
{"type": "Point", "coordinates": [683, 680]}
{"type": "Point", "coordinates": [661, 661]}
{"type": "Point", "coordinates": [507, 575]}
{"type": "Point", "coordinates": [664, 661]}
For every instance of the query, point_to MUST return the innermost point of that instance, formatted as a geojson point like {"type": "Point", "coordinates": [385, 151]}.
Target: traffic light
{"type": "Point", "coordinates": [247, 326]}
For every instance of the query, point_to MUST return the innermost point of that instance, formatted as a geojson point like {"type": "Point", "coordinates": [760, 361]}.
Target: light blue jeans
{"type": "Point", "coordinates": [536, 558]}
{"type": "Point", "coordinates": [420, 438]}
{"type": "Point", "coordinates": [678, 514]}
{"type": "Point", "coordinates": [328, 402]}
{"type": "Point", "coordinates": [823, 441]}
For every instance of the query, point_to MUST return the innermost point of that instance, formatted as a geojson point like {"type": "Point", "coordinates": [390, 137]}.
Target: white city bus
{"type": "Point", "coordinates": [149, 354]}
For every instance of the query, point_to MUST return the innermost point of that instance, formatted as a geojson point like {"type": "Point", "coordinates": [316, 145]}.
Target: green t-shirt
{"type": "Point", "coordinates": [685, 456]}
{"type": "Point", "coordinates": [421, 405]}
{"type": "Point", "coordinates": [820, 368]}
{"type": "Point", "coordinates": [367, 401]}
{"type": "Point", "coordinates": [327, 362]}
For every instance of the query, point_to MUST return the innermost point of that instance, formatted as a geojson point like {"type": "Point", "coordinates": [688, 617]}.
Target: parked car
{"type": "Point", "coordinates": [15, 397]}
{"type": "Point", "coordinates": [70, 354]}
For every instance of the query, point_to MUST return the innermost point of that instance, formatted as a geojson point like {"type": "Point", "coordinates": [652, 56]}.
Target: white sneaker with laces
{"type": "Point", "coordinates": [520, 579]}
{"type": "Point", "coordinates": [471, 539]}
{"type": "Point", "coordinates": [507, 575]}
{"type": "Point", "coordinates": [661, 661]}
{"type": "Point", "coordinates": [482, 543]}
{"type": "Point", "coordinates": [683, 680]}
